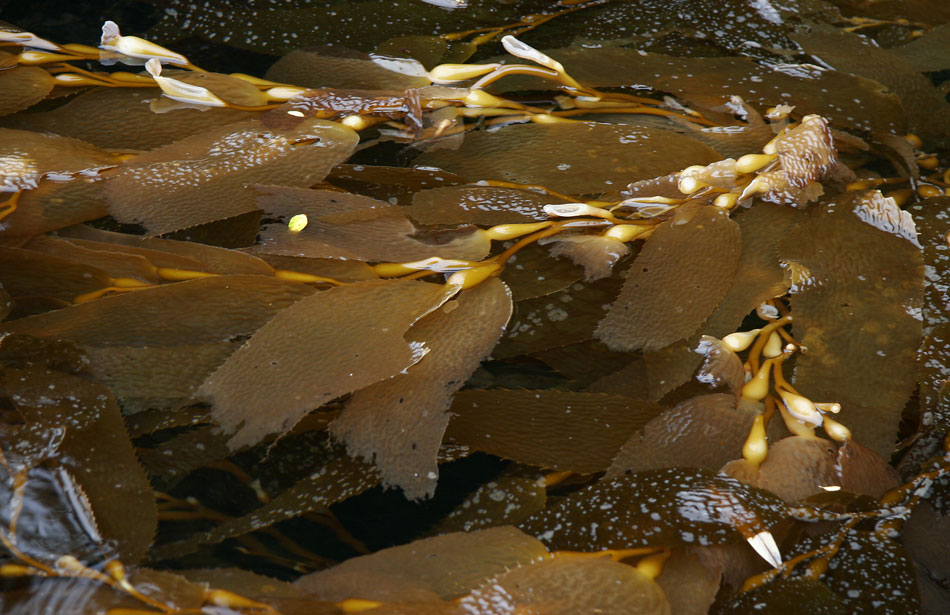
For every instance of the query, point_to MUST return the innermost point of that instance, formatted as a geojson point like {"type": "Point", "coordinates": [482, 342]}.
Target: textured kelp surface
{"type": "Point", "coordinates": [439, 308]}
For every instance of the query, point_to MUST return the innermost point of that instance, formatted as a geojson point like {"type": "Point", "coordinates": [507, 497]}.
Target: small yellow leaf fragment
{"type": "Point", "coordinates": [358, 605]}
{"type": "Point", "coordinates": [298, 223]}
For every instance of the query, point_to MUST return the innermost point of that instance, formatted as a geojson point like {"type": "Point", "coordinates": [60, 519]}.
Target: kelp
{"type": "Point", "coordinates": [606, 295]}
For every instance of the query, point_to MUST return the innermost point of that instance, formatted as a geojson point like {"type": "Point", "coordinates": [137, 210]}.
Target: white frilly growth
{"type": "Point", "coordinates": [135, 47]}
{"type": "Point", "coordinates": [527, 52]}
{"type": "Point", "coordinates": [181, 91]}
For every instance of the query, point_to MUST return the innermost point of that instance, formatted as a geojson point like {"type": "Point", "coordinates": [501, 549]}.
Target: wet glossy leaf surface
{"type": "Point", "coordinates": [669, 507]}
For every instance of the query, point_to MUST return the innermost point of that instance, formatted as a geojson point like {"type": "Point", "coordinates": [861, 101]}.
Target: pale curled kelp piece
{"type": "Point", "coordinates": [671, 507]}
{"type": "Point", "coordinates": [806, 152]}
{"type": "Point", "coordinates": [335, 342]}
{"type": "Point", "coordinates": [507, 500]}
{"type": "Point", "coordinates": [337, 67]}
{"type": "Point", "coordinates": [27, 157]}
{"type": "Point", "coordinates": [121, 118]}
{"type": "Point", "coordinates": [398, 423]}
{"type": "Point", "coordinates": [597, 254]}
{"type": "Point", "coordinates": [571, 158]}
{"type": "Point", "coordinates": [445, 566]}
{"type": "Point", "coordinates": [94, 448]}
{"type": "Point", "coordinates": [354, 227]}
{"type": "Point", "coordinates": [681, 274]}
{"type": "Point", "coordinates": [202, 178]}
{"type": "Point", "coordinates": [758, 277]}
{"type": "Point", "coordinates": [721, 366]}
{"type": "Point", "coordinates": [566, 584]}
{"type": "Point", "coordinates": [225, 87]}
{"type": "Point", "coordinates": [22, 87]}
{"type": "Point", "coordinates": [857, 286]}
{"type": "Point", "coordinates": [219, 309]}
{"type": "Point", "coordinates": [578, 432]}
{"type": "Point", "coordinates": [474, 204]}
{"type": "Point", "coordinates": [932, 224]}
{"type": "Point", "coordinates": [704, 432]}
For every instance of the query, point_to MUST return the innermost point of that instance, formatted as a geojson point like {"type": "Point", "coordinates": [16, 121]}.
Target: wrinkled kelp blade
{"type": "Point", "coordinates": [399, 422]}
{"type": "Point", "coordinates": [580, 432]}
{"type": "Point", "coordinates": [569, 583]}
{"type": "Point", "coordinates": [446, 566]}
{"type": "Point", "coordinates": [705, 432]}
{"type": "Point", "coordinates": [671, 507]}
{"type": "Point", "coordinates": [202, 178]}
{"type": "Point", "coordinates": [682, 273]}
{"type": "Point", "coordinates": [218, 309]}
{"type": "Point", "coordinates": [333, 343]}
{"type": "Point", "coordinates": [856, 299]}
{"type": "Point", "coordinates": [575, 158]}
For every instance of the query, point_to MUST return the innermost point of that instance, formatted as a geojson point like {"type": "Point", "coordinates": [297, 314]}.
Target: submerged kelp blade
{"type": "Point", "coordinates": [219, 309]}
{"type": "Point", "coordinates": [507, 500]}
{"type": "Point", "coordinates": [578, 432]}
{"type": "Point", "coordinates": [353, 227]}
{"type": "Point", "coordinates": [445, 566]}
{"type": "Point", "coordinates": [156, 377]}
{"type": "Point", "coordinates": [688, 263]}
{"type": "Point", "coordinates": [856, 296]}
{"type": "Point", "coordinates": [567, 584]}
{"type": "Point", "coordinates": [391, 184]}
{"type": "Point", "coordinates": [334, 477]}
{"type": "Point", "coordinates": [690, 586]}
{"type": "Point", "coordinates": [533, 273]}
{"type": "Point", "coordinates": [659, 508]}
{"type": "Point", "coordinates": [398, 423]}
{"type": "Point", "coordinates": [473, 204]}
{"type": "Point", "coordinates": [332, 67]}
{"type": "Point", "coordinates": [202, 178]}
{"type": "Point", "coordinates": [121, 118]}
{"type": "Point", "coordinates": [95, 449]}
{"type": "Point", "coordinates": [759, 277]}
{"type": "Point", "coordinates": [571, 158]}
{"type": "Point", "coordinates": [795, 468]}
{"type": "Point", "coordinates": [27, 157]}
{"type": "Point", "coordinates": [169, 252]}
{"type": "Point", "coordinates": [558, 318]}
{"type": "Point", "coordinates": [928, 113]}
{"type": "Point", "coordinates": [27, 274]}
{"type": "Point", "coordinates": [704, 432]}
{"type": "Point", "coordinates": [95, 254]}
{"type": "Point", "coordinates": [52, 206]}
{"type": "Point", "coordinates": [870, 573]}
{"type": "Point", "coordinates": [22, 87]}
{"type": "Point", "coordinates": [333, 343]}
{"type": "Point", "coordinates": [785, 596]}
{"type": "Point", "coordinates": [710, 81]}
{"type": "Point", "coordinates": [928, 52]}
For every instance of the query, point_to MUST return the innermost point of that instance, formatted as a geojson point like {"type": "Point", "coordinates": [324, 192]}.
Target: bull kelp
{"type": "Point", "coordinates": [549, 307]}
